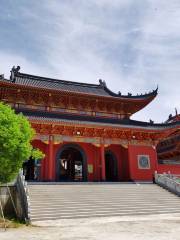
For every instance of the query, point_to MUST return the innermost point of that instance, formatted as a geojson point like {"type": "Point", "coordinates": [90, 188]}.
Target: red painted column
{"type": "Point", "coordinates": [103, 167]}
{"type": "Point", "coordinates": [156, 158]}
{"type": "Point", "coordinates": [43, 161]}
{"type": "Point", "coordinates": [131, 162]}
{"type": "Point", "coordinates": [50, 160]}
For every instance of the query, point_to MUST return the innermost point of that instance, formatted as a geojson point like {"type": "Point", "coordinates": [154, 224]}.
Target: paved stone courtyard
{"type": "Point", "coordinates": [154, 227]}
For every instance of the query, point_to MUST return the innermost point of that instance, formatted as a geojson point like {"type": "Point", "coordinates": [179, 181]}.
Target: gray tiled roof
{"type": "Point", "coordinates": [54, 117]}
{"type": "Point", "coordinates": [69, 86]}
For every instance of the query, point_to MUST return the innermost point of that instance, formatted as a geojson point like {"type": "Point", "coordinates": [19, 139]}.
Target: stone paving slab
{"type": "Point", "coordinates": [154, 227]}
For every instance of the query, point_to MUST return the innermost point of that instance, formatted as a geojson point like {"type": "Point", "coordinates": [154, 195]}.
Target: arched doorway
{"type": "Point", "coordinates": [111, 166]}
{"type": "Point", "coordinates": [71, 164]}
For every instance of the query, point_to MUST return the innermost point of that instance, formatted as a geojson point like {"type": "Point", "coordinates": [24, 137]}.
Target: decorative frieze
{"type": "Point", "coordinates": [93, 134]}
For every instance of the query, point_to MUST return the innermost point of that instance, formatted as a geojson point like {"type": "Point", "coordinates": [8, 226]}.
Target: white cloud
{"type": "Point", "coordinates": [8, 60]}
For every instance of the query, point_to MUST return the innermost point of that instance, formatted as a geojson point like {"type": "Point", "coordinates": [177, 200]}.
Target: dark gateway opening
{"type": "Point", "coordinates": [111, 167]}
{"type": "Point", "coordinates": [31, 170]}
{"type": "Point", "coordinates": [71, 165]}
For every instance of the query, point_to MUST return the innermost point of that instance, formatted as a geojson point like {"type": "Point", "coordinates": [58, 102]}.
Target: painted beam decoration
{"type": "Point", "coordinates": [93, 134]}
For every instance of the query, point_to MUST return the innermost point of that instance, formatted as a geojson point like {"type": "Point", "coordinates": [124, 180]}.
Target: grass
{"type": "Point", "coordinates": [11, 223]}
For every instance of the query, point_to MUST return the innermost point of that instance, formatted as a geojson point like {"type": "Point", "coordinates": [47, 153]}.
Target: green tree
{"type": "Point", "coordinates": [36, 154]}
{"type": "Point", "coordinates": [15, 143]}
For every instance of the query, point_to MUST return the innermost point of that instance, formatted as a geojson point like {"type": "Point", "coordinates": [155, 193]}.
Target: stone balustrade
{"type": "Point", "coordinates": [15, 199]}
{"type": "Point", "coordinates": [168, 181]}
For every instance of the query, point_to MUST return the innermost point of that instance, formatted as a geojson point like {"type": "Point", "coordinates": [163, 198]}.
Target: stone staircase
{"type": "Point", "coordinates": [69, 201]}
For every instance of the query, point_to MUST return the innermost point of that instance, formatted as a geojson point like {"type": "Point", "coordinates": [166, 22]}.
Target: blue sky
{"type": "Point", "coordinates": [134, 45]}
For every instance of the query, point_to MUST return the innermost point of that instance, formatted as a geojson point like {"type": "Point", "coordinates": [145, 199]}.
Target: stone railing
{"type": "Point", "coordinates": [168, 181]}
{"type": "Point", "coordinates": [22, 191]}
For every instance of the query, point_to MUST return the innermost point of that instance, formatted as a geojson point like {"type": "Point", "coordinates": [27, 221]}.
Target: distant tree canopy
{"type": "Point", "coordinates": [16, 135]}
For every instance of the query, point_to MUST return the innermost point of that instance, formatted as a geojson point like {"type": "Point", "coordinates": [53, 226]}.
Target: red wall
{"type": "Point", "coordinates": [127, 160]}
{"type": "Point", "coordinates": [174, 169]}
{"type": "Point", "coordinates": [93, 157]}
{"type": "Point", "coordinates": [121, 155]}
{"type": "Point", "coordinates": [135, 172]}
{"type": "Point", "coordinates": [116, 150]}
{"type": "Point", "coordinates": [125, 165]}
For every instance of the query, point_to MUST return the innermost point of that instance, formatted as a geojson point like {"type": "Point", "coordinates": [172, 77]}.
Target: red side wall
{"type": "Point", "coordinates": [174, 169]}
{"type": "Point", "coordinates": [135, 172]}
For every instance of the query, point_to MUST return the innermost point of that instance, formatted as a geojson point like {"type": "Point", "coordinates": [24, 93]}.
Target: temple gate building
{"type": "Point", "coordinates": [85, 130]}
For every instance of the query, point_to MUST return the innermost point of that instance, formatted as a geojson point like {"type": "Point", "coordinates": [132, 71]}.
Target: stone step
{"type": "Point", "coordinates": [88, 183]}
{"type": "Point", "coordinates": [108, 198]}
{"type": "Point", "coordinates": [97, 210]}
{"type": "Point", "coordinates": [56, 205]}
{"type": "Point", "coordinates": [89, 215]}
{"type": "Point", "coordinates": [129, 191]}
{"type": "Point", "coordinates": [91, 187]}
{"type": "Point", "coordinates": [123, 204]}
{"type": "Point", "coordinates": [50, 202]}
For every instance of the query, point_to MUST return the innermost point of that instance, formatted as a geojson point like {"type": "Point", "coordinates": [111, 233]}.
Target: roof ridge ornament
{"type": "Point", "coordinates": [14, 71]}
{"type": "Point", "coordinates": [157, 88]}
{"type": "Point", "coordinates": [176, 112]}
{"type": "Point", "coordinates": [102, 83]}
{"type": "Point", "coordinates": [1, 76]}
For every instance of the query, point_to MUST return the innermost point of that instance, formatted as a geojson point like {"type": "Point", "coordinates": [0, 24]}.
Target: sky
{"type": "Point", "coordinates": [134, 45]}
